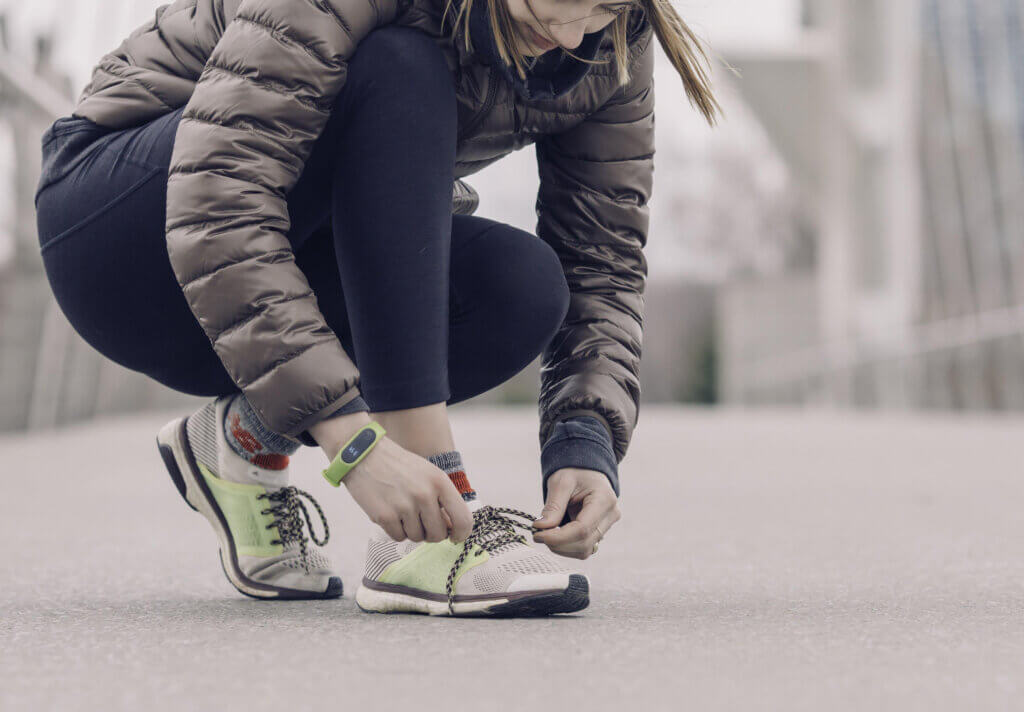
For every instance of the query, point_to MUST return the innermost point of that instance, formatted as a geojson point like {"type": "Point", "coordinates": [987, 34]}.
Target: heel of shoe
{"type": "Point", "coordinates": [176, 453]}
{"type": "Point", "coordinates": [167, 442]}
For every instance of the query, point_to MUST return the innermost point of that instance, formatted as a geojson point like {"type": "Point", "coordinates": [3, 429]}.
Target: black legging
{"type": "Point", "coordinates": [431, 306]}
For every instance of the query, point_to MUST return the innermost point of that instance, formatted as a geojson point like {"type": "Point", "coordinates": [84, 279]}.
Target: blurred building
{"type": "Point", "coordinates": [902, 126]}
{"type": "Point", "coordinates": [48, 374]}
{"type": "Point", "coordinates": [721, 208]}
{"type": "Point", "coordinates": [877, 263]}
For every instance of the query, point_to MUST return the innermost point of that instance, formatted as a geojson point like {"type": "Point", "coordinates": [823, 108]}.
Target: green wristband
{"type": "Point", "coordinates": [353, 452]}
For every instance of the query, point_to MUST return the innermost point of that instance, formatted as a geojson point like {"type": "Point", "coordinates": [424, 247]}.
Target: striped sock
{"type": "Point", "coordinates": [251, 439]}
{"type": "Point", "coordinates": [451, 463]}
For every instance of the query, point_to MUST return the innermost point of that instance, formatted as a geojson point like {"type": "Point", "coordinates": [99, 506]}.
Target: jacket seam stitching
{"type": "Point", "coordinates": [217, 172]}
{"type": "Point", "coordinates": [231, 127]}
{"type": "Point", "coordinates": [337, 18]}
{"type": "Point", "coordinates": [159, 30]}
{"type": "Point", "coordinates": [284, 38]}
{"type": "Point", "coordinates": [285, 359]}
{"type": "Point", "coordinates": [605, 320]}
{"type": "Point", "coordinates": [138, 82]}
{"type": "Point", "coordinates": [218, 268]}
{"type": "Point", "coordinates": [536, 109]}
{"type": "Point", "coordinates": [592, 357]}
{"type": "Point", "coordinates": [218, 221]}
{"type": "Point", "coordinates": [641, 157]}
{"type": "Point", "coordinates": [235, 325]}
{"type": "Point", "coordinates": [376, 10]}
{"type": "Point", "coordinates": [621, 123]}
{"type": "Point", "coordinates": [584, 187]}
{"type": "Point", "coordinates": [269, 86]}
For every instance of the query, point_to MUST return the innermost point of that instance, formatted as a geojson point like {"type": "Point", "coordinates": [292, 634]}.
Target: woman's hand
{"type": "Point", "coordinates": [408, 496]}
{"type": "Point", "coordinates": [592, 505]}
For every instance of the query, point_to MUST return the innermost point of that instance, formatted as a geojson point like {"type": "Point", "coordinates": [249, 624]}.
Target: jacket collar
{"type": "Point", "coordinates": [553, 75]}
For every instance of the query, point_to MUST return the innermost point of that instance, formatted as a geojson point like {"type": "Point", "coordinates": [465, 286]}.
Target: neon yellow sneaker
{"type": "Point", "coordinates": [257, 516]}
{"type": "Point", "coordinates": [495, 572]}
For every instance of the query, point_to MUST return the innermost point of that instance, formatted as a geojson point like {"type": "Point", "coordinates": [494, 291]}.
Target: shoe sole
{"type": "Point", "coordinates": [176, 452]}
{"type": "Point", "coordinates": [575, 597]}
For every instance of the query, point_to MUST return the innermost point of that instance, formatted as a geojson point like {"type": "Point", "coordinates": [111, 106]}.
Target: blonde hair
{"type": "Point", "coordinates": [680, 44]}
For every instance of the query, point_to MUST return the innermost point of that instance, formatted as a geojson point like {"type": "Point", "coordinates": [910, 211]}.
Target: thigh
{"type": "Point", "coordinates": [101, 234]}
{"type": "Point", "coordinates": [386, 155]}
{"type": "Point", "coordinates": [508, 297]}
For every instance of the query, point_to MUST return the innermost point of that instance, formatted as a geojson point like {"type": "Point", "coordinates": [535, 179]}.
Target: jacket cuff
{"type": "Point", "coordinates": [583, 442]}
{"type": "Point", "coordinates": [354, 405]}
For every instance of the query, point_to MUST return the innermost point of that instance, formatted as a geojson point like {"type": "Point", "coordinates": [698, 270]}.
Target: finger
{"type": "Point", "coordinates": [575, 547]}
{"type": "Point", "coordinates": [392, 525]}
{"type": "Point", "coordinates": [561, 490]}
{"type": "Point", "coordinates": [581, 529]}
{"type": "Point", "coordinates": [457, 511]}
{"type": "Point", "coordinates": [432, 521]}
{"type": "Point", "coordinates": [561, 537]}
{"type": "Point", "coordinates": [412, 526]}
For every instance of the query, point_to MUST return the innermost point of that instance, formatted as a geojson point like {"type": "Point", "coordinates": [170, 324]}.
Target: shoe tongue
{"type": "Point", "coordinates": [273, 480]}
{"type": "Point", "coordinates": [477, 504]}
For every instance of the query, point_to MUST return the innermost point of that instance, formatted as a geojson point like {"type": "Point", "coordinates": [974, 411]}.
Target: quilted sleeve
{"type": "Point", "coordinates": [595, 181]}
{"type": "Point", "coordinates": [260, 103]}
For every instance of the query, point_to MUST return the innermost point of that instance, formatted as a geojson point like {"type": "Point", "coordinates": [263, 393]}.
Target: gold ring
{"type": "Point", "coordinates": [595, 549]}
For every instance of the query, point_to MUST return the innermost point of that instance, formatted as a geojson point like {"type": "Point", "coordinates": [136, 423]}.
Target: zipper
{"type": "Point", "coordinates": [492, 91]}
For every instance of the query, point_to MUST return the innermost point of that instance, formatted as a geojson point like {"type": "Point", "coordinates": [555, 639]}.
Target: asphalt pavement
{"type": "Point", "coordinates": [770, 560]}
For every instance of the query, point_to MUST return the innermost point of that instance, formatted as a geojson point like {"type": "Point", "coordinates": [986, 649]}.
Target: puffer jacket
{"type": "Point", "coordinates": [258, 79]}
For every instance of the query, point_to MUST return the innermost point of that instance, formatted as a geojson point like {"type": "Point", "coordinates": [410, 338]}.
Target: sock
{"type": "Point", "coordinates": [451, 463]}
{"type": "Point", "coordinates": [251, 439]}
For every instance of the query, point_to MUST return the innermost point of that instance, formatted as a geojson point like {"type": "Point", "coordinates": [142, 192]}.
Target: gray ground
{"type": "Point", "coordinates": [777, 560]}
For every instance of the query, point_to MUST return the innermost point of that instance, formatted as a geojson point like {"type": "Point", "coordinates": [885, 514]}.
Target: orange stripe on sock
{"type": "Point", "coordinates": [271, 461]}
{"type": "Point", "coordinates": [460, 481]}
{"type": "Point", "coordinates": [246, 439]}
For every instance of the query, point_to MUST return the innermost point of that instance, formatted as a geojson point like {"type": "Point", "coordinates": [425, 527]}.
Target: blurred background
{"type": "Point", "coordinates": [850, 235]}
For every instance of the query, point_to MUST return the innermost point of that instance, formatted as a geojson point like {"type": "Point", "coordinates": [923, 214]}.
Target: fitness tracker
{"type": "Point", "coordinates": [352, 452]}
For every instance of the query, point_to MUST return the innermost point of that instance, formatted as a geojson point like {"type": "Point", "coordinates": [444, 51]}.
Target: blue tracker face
{"type": "Point", "coordinates": [358, 446]}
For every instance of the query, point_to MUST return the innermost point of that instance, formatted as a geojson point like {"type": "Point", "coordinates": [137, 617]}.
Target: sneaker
{"type": "Point", "coordinates": [494, 572]}
{"type": "Point", "coordinates": [257, 517]}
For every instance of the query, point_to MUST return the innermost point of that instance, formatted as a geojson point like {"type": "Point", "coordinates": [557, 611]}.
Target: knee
{"type": "Point", "coordinates": [527, 285]}
{"type": "Point", "coordinates": [403, 57]}
{"type": "Point", "coordinates": [549, 294]}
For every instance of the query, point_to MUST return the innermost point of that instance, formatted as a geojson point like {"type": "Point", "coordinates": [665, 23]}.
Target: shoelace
{"type": "Point", "coordinates": [492, 529]}
{"type": "Point", "coordinates": [288, 521]}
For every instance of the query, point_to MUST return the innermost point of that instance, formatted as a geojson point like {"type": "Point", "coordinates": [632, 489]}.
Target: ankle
{"type": "Point", "coordinates": [423, 430]}
{"type": "Point", "coordinates": [250, 439]}
{"type": "Point", "coordinates": [450, 461]}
